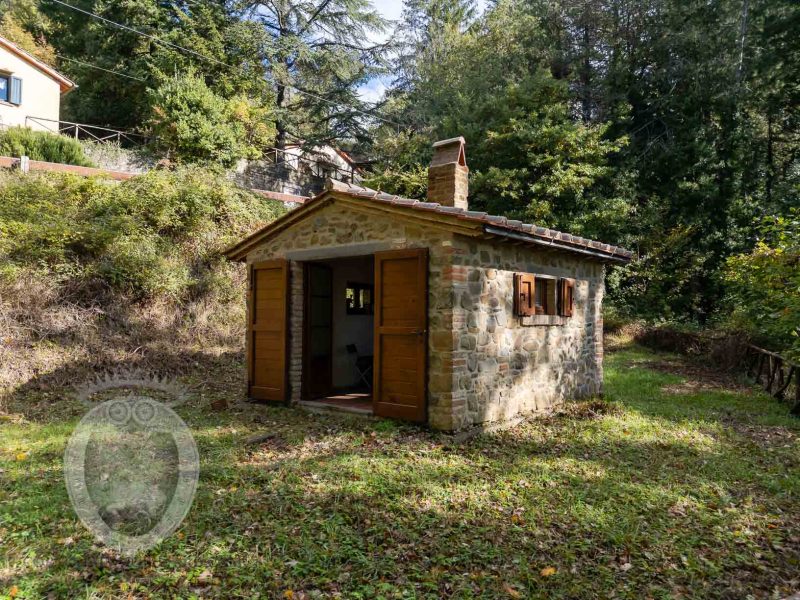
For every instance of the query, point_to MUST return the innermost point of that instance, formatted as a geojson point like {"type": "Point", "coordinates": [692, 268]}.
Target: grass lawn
{"type": "Point", "coordinates": [684, 487]}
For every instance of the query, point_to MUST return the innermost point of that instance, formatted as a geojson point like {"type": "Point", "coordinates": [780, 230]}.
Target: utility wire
{"type": "Point", "coordinates": [141, 33]}
{"type": "Point", "coordinates": [91, 66]}
{"type": "Point", "coordinates": [213, 60]}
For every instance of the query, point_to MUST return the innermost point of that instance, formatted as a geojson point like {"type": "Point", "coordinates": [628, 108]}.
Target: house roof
{"type": "Point", "coordinates": [345, 156]}
{"type": "Point", "coordinates": [65, 83]}
{"type": "Point", "coordinates": [472, 223]}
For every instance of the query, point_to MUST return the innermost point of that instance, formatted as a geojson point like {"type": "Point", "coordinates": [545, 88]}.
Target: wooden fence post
{"type": "Point", "coordinates": [776, 382]}
{"type": "Point", "coordinates": [796, 409]}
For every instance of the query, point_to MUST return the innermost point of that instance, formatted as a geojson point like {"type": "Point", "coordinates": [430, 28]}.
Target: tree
{"type": "Point", "coordinates": [765, 284]}
{"type": "Point", "coordinates": [23, 23]}
{"type": "Point", "coordinates": [223, 49]}
{"type": "Point", "coordinates": [423, 32]}
{"type": "Point", "coordinates": [528, 157]}
{"type": "Point", "coordinates": [316, 55]}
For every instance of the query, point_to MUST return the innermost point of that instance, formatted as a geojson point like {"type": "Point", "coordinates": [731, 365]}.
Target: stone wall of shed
{"type": "Point", "coordinates": [502, 368]}
{"type": "Point", "coordinates": [337, 226]}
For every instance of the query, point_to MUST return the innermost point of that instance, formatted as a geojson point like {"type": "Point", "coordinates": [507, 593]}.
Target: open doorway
{"type": "Point", "coordinates": [339, 332]}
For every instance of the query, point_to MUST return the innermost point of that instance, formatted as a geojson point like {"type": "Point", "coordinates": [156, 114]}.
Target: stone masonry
{"type": "Point", "coordinates": [503, 365]}
{"type": "Point", "coordinates": [484, 364]}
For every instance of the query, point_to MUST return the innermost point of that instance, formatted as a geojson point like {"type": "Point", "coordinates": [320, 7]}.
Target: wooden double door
{"type": "Point", "coordinates": [400, 342]}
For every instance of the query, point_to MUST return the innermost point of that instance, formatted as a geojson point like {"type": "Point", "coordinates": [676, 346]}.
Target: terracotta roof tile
{"type": "Point", "coordinates": [567, 241]}
{"type": "Point", "coordinates": [450, 210]}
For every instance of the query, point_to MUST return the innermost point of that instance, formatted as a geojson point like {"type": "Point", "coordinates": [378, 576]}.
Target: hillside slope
{"type": "Point", "coordinates": [97, 275]}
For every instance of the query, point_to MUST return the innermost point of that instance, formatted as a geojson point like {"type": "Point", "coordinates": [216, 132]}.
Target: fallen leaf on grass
{"type": "Point", "coordinates": [205, 577]}
{"type": "Point", "coordinates": [12, 593]}
{"type": "Point", "coordinates": [511, 591]}
{"type": "Point", "coordinates": [547, 572]}
{"type": "Point", "coordinates": [21, 456]}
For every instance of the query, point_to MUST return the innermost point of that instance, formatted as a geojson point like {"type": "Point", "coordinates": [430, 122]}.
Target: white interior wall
{"type": "Point", "coordinates": [350, 329]}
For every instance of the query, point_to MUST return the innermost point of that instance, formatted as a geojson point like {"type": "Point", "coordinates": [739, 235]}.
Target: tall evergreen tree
{"type": "Point", "coordinates": [316, 55]}
{"type": "Point", "coordinates": [224, 49]}
{"type": "Point", "coordinates": [423, 33]}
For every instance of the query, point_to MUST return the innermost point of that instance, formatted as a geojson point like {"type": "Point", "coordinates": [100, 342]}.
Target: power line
{"type": "Point", "coordinates": [91, 66]}
{"type": "Point", "coordinates": [137, 32]}
{"type": "Point", "coordinates": [213, 60]}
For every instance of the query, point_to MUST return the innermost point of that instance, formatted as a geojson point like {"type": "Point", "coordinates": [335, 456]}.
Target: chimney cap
{"type": "Point", "coordinates": [460, 139]}
{"type": "Point", "coordinates": [449, 151]}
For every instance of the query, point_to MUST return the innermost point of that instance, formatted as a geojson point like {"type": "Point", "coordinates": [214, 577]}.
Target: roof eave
{"type": "Point", "coordinates": [238, 252]}
{"type": "Point", "coordinates": [65, 84]}
{"type": "Point", "coordinates": [456, 221]}
{"type": "Point", "coordinates": [557, 245]}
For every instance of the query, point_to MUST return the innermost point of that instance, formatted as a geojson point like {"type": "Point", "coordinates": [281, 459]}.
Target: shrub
{"type": "Point", "coordinates": [42, 145]}
{"type": "Point", "coordinates": [765, 285]}
{"type": "Point", "coordinates": [411, 182]}
{"type": "Point", "coordinates": [155, 236]}
{"type": "Point", "coordinates": [192, 124]}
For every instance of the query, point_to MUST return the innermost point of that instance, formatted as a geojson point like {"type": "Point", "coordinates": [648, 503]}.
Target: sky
{"type": "Point", "coordinates": [373, 90]}
{"type": "Point", "coordinates": [390, 9]}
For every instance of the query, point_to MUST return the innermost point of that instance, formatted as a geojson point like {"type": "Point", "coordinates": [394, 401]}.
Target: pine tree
{"type": "Point", "coordinates": [316, 54]}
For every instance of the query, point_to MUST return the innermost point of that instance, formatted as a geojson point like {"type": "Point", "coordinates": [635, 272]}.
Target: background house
{"type": "Point", "coordinates": [298, 169]}
{"type": "Point", "coordinates": [30, 90]}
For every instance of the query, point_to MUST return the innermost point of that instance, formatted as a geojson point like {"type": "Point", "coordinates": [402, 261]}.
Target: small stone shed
{"type": "Point", "coordinates": [422, 311]}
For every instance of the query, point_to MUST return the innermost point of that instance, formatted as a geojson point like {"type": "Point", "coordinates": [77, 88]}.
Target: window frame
{"type": "Point", "coordinates": [7, 78]}
{"type": "Point", "coordinates": [543, 299]}
{"type": "Point", "coordinates": [367, 309]}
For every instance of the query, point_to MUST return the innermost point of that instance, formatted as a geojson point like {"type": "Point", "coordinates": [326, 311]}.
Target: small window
{"type": "Point", "coordinates": [5, 88]}
{"type": "Point", "coordinates": [358, 299]}
{"type": "Point", "coordinates": [542, 295]}
{"type": "Point", "coordinates": [546, 300]}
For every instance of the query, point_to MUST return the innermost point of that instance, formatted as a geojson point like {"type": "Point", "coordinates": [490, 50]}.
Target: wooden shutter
{"type": "Point", "coordinates": [401, 324]}
{"type": "Point", "coordinates": [524, 294]}
{"type": "Point", "coordinates": [15, 93]}
{"type": "Point", "coordinates": [267, 326]}
{"type": "Point", "coordinates": [566, 297]}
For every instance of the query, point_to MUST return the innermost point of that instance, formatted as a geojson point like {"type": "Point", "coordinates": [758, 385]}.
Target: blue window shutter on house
{"type": "Point", "coordinates": [15, 96]}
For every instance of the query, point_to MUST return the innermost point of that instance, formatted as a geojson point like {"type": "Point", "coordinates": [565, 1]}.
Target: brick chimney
{"type": "Point", "coordinates": [448, 175]}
